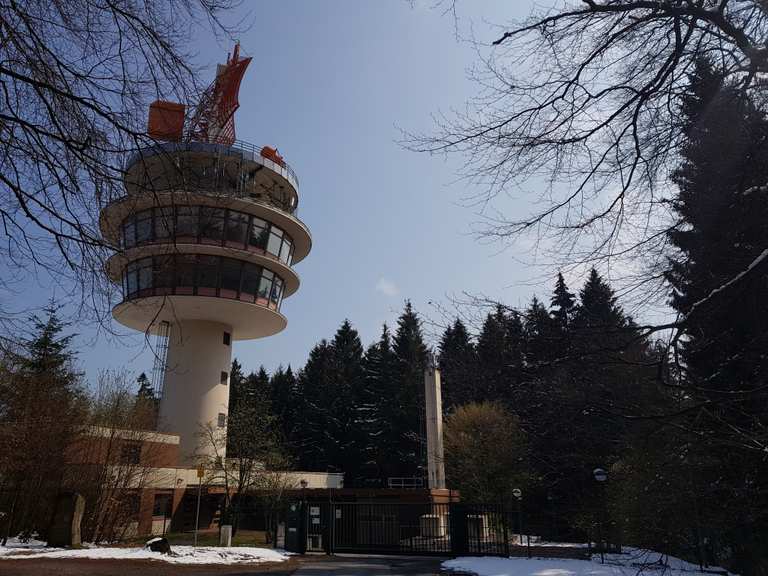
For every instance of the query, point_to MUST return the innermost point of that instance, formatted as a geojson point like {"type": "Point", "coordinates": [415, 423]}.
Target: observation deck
{"type": "Point", "coordinates": [206, 232]}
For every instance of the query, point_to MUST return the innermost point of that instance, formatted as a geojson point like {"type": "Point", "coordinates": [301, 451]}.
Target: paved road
{"type": "Point", "coordinates": [369, 566]}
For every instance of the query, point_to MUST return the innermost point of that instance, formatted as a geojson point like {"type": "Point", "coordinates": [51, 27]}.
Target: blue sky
{"type": "Point", "coordinates": [329, 85]}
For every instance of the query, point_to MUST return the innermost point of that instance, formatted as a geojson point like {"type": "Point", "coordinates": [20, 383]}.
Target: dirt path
{"type": "Point", "coordinates": [87, 567]}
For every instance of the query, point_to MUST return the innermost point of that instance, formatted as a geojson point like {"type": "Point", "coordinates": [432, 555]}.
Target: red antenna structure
{"type": "Point", "coordinates": [214, 117]}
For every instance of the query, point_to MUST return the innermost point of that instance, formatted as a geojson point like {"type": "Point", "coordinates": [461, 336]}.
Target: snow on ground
{"type": "Point", "coordinates": [631, 563]}
{"type": "Point", "coordinates": [16, 550]}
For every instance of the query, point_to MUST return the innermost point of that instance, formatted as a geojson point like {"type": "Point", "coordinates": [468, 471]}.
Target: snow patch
{"type": "Point", "coordinates": [633, 562]}
{"type": "Point", "coordinates": [179, 554]}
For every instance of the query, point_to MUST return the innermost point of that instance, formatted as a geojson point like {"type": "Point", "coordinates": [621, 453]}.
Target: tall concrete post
{"type": "Point", "coordinates": [434, 408]}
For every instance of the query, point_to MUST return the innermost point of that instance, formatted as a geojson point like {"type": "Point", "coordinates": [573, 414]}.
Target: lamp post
{"type": "Point", "coordinates": [518, 494]}
{"type": "Point", "coordinates": [601, 476]}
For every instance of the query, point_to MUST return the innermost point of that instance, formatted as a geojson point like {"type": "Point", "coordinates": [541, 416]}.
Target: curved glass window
{"type": "Point", "coordinates": [207, 225]}
{"type": "Point", "coordinates": [202, 275]}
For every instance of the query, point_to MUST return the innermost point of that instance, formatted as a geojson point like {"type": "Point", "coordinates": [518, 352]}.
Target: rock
{"type": "Point", "coordinates": [64, 530]}
{"type": "Point", "coordinates": [159, 545]}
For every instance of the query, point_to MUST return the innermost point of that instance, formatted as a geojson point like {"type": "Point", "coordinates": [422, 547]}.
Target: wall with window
{"type": "Point", "coordinates": [207, 225]}
{"type": "Point", "coordinates": [202, 275]}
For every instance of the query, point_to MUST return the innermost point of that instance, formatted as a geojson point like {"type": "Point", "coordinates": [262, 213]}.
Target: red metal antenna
{"type": "Point", "coordinates": [214, 117]}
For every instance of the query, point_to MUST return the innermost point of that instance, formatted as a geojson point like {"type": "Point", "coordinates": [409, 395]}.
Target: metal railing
{"type": "Point", "coordinates": [411, 482]}
{"type": "Point", "coordinates": [245, 150]}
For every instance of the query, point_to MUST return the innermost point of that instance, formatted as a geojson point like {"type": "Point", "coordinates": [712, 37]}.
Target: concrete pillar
{"type": "Point", "coordinates": [434, 407]}
{"type": "Point", "coordinates": [193, 392]}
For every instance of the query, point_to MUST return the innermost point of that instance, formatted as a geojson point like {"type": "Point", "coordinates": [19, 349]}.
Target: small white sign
{"type": "Point", "coordinates": [338, 513]}
{"type": "Point", "coordinates": [315, 520]}
{"type": "Point", "coordinates": [314, 511]}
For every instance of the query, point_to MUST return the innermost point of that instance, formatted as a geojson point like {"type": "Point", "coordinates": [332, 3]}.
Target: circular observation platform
{"type": "Point", "coordinates": [240, 170]}
{"type": "Point", "coordinates": [247, 321]}
{"type": "Point", "coordinates": [205, 232]}
{"type": "Point", "coordinates": [197, 217]}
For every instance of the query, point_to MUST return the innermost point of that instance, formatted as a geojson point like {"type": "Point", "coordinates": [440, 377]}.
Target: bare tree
{"type": "Point", "coordinates": [114, 459]}
{"type": "Point", "coordinates": [75, 79]}
{"type": "Point", "coordinates": [255, 466]}
{"type": "Point", "coordinates": [578, 105]}
{"type": "Point", "coordinates": [486, 451]}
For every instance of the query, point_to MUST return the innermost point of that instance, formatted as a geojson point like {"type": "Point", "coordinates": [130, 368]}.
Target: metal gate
{"type": "Point", "coordinates": [406, 528]}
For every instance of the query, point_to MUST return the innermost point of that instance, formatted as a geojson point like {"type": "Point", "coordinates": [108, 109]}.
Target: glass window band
{"type": "Point", "coordinates": [207, 225]}
{"type": "Point", "coordinates": [202, 275]}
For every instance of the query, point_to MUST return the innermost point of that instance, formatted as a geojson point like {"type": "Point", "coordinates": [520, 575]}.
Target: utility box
{"type": "Point", "coordinates": [296, 528]}
{"type": "Point", "coordinates": [166, 120]}
{"type": "Point", "coordinates": [225, 536]}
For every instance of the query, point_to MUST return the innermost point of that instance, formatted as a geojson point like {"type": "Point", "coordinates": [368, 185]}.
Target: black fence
{"type": "Point", "coordinates": [402, 528]}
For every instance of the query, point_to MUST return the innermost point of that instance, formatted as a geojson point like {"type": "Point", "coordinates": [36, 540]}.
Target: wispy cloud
{"type": "Point", "coordinates": [387, 287]}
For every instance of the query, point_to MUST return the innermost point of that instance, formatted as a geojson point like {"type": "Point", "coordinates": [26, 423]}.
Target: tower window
{"type": "Point", "coordinates": [224, 377]}
{"type": "Point", "coordinates": [227, 338]}
{"type": "Point", "coordinates": [222, 420]}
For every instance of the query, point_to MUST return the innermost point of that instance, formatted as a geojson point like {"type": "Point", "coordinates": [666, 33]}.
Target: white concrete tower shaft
{"type": "Point", "coordinates": [196, 386]}
{"type": "Point", "coordinates": [434, 408]}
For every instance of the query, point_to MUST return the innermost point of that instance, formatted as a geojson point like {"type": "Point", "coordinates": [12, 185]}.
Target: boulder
{"type": "Point", "coordinates": [64, 530]}
{"type": "Point", "coordinates": [159, 545]}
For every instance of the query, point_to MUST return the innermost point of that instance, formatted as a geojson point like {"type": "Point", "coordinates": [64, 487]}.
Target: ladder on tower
{"type": "Point", "coordinates": [161, 354]}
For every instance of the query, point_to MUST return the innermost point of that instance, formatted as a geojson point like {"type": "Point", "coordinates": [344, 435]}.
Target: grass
{"type": "Point", "coordinates": [209, 538]}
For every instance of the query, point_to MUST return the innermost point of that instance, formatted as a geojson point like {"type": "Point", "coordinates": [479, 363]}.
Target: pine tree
{"type": "Point", "coordinates": [562, 303]}
{"type": "Point", "coordinates": [285, 401]}
{"type": "Point", "coordinates": [313, 383]}
{"type": "Point", "coordinates": [540, 334]}
{"type": "Point", "coordinates": [374, 409]}
{"type": "Point", "coordinates": [458, 366]}
{"type": "Point", "coordinates": [249, 399]}
{"type": "Point", "coordinates": [723, 232]}
{"type": "Point", "coordinates": [42, 408]}
{"type": "Point", "coordinates": [407, 411]}
{"type": "Point", "coordinates": [236, 384]}
{"type": "Point", "coordinates": [145, 391]}
{"type": "Point", "coordinates": [499, 353]}
{"type": "Point", "coordinates": [147, 405]}
{"type": "Point", "coordinates": [347, 380]}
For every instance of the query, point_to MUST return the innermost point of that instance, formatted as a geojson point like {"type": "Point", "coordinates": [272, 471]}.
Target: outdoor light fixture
{"type": "Point", "coordinates": [600, 474]}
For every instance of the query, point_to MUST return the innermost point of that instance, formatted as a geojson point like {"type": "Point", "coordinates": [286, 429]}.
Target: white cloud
{"type": "Point", "coordinates": [387, 287]}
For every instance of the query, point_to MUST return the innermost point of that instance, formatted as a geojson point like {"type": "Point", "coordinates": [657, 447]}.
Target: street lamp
{"type": "Point", "coordinates": [601, 476]}
{"type": "Point", "coordinates": [518, 494]}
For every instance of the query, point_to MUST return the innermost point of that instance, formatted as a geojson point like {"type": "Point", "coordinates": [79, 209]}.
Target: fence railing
{"type": "Point", "coordinates": [261, 154]}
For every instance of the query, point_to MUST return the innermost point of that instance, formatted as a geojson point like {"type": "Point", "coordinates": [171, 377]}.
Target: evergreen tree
{"type": "Point", "coordinates": [540, 334]}
{"type": "Point", "coordinates": [313, 438]}
{"type": "Point", "coordinates": [719, 282]}
{"type": "Point", "coordinates": [347, 380]}
{"type": "Point", "coordinates": [374, 410]}
{"type": "Point", "coordinates": [42, 408]}
{"type": "Point", "coordinates": [236, 385]}
{"type": "Point", "coordinates": [563, 303]}
{"type": "Point", "coordinates": [284, 400]}
{"type": "Point", "coordinates": [248, 399]}
{"type": "Point", "coordinates": [458, 367]}
{"type": "Point", "coordinates": [147, 405]}
{"type": "Point", "coordinates": [499, 353]}
{"type": "Point", "coordinates": [145, 388]}
{"type": "Point", "coordinates": [407, 410]}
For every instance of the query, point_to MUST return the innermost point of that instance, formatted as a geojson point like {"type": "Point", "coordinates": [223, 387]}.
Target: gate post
{"type": "Point", "coordinates": [458, 528]}
{"type": "Point", "coordinates": [296, 528]}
